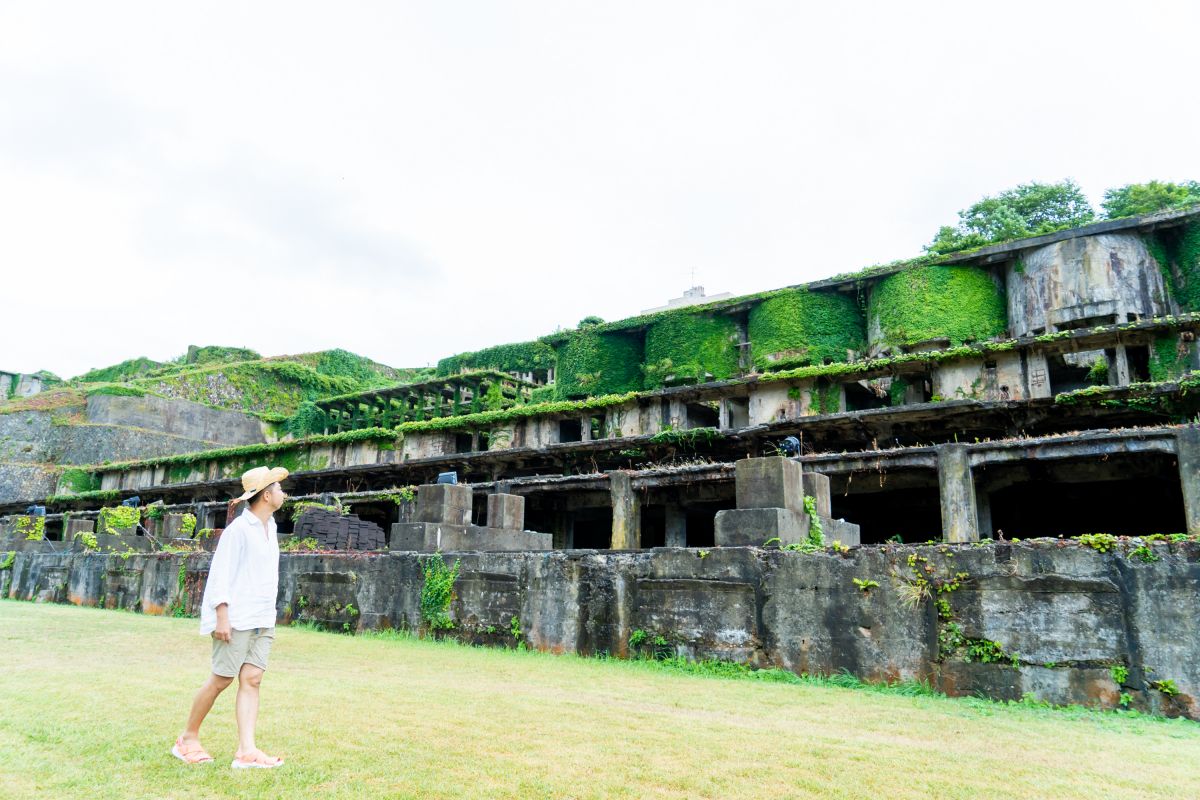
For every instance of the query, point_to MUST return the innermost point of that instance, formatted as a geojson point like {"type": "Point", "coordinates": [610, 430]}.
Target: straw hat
{"type": "Point", "coordinates": [259, 478]}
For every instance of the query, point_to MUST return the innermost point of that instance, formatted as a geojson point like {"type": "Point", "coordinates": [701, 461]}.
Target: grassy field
{"type": "Point", "coordinates": [90, 702]}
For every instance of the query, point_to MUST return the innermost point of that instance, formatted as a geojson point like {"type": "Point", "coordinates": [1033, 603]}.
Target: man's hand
{"type": "Point", "coordinates": [223, 631]}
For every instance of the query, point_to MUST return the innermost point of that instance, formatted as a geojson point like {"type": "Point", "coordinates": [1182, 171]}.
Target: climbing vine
{"type": "Point", "coordinates": [591, 364]}
{"type": "Point", "coordinates": [797, 327]}
{"type": "Point", "coordinates": [690, 348]}
{"type": "Point", "coordinates": [437, 592]}
{"type": "Point", "coordinates": [962, 304]}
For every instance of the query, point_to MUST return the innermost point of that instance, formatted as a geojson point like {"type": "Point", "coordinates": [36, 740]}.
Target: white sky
{"type": "Point", "coordinates": [410, 180]}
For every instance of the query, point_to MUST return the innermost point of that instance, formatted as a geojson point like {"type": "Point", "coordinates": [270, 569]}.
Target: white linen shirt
{"type": "Point", "coordinates": [244, 573]}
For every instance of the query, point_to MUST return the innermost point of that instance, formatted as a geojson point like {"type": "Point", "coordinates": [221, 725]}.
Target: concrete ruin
{"type": "Point", "coordinates": [1038, 388]}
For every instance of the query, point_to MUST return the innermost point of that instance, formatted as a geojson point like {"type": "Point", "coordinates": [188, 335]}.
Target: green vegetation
{"type": "Point", "coordinates": [7, 561]}
{"type": "Point", "coordinates": [296, 545]}
{"type": "Point", "coordinates": [1100, 542]}
{"type": "Point", "coordinates": [688, 437]}
{"type": "Point", "coordinates": [796, 327]}
{"type": "Point", "coordinates": [1168, 358]}
{"type": "Point", "coordinates": [298, 509]}
{"type": "Point", "coordinates": [962, 304]}
{"type": "Point", "coordinates": [126, 370]}
{"type": "Point", "coordinates": [437, 592]}
{"type": "Point", "coordinates": [1178, 254]}
{"type": "Point", "coordinates": [214, 354]}
{"type": "Point", "coordinates": [119, 518]}
{"type": "Point", "coordinates": [591, 364]}
{"type": "Point", "coordinates": [115, 390]}
{"type": "Point", "coordinates": [187, 525]}
{"type": "Point", "coordinates": [78, 481]}
{"type": "Point", "coordinates": [31, 529]}
{"type": "Point", "coordinates": [519, 357]}
{"type": "Point", "coordinates": [1135, 199]}
{"type": "Point", "coordinates": [684, 347]}
{"type": "Point", "coordinates": [1028, 210]}
{"type": "Point", "coordinates": [507, 724]}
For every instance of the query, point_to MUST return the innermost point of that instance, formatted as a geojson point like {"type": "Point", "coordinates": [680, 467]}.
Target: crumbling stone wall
{"type": "Point", "coordinates": [1055, 620]}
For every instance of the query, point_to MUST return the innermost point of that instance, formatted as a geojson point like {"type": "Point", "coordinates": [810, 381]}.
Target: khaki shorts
{"type": "Point", "coordinates": [245, 647]}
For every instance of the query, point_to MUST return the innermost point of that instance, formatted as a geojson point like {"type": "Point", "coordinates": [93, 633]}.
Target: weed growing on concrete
{"type": "Point", "coordinates": [437, 592]}
{"type": "Point", "coordinates": [865, 585]}
{"type": "Point", "coordinates": [8, 560]}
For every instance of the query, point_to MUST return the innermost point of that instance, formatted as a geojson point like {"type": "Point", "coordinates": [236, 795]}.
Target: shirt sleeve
{"type": "Point", "coordinates": [218, 587]}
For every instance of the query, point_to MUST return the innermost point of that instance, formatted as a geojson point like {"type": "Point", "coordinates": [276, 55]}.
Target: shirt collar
{"type": "Point", "coordinates": [253, 520]}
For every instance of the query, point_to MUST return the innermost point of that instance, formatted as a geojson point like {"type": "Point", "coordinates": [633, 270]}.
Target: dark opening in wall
{"type": "Point", "coordinates": [700, 522]}
{"type": "Point", "coordinates": [54, 530]}
{"type": "Point", "coordinates": [860, 398]}
{"type": "Point", "coordinates": [383, 513]}
{"type": "Point", "coordinates": [1043, 507]}
{"type": "Point", "coordinates": [914, 514]}
{"type": "Point", "coordinates": [479, 509]}
{"type": "Point", "coordinates": [485, 439]}
{"type": "Point", "coordinates": [1065, 377]}
{"type": "Point", "coordinates": [570, 430]}
{"type": "Point", "coordinates": [739, 412]}
{"type": "Point", "coordinates": [1139, 363]}
{"type": "Point", "coordinates": [593, 528]}
{"type": "Point", "coordinates": [596, 427]}
{"type": "Point", "coordinates": [654, 526]}
{"type": "Point", "coordinates": [463, 443]}
{"type": "Point", "coordinates": [283, 523]}
{"type": "Point", "coordinates": [702, 415]}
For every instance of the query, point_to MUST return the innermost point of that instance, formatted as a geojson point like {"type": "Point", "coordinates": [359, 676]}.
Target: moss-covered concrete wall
{"type": "Point", "coordinates": [961, 304]}
{"type": "Point", "coordinates": [592, 364]}
{"type": "Point", "coordinates": [690, 348]}
{"type": "Point", "coordinates": [797, 327]}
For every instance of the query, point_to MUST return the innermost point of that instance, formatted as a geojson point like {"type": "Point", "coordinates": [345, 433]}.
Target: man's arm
{"type": "Point", "coordinates": [220, 578]}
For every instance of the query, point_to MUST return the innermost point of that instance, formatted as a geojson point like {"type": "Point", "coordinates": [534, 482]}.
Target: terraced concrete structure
{"type": "Point", "coordinates": [1042, 387]}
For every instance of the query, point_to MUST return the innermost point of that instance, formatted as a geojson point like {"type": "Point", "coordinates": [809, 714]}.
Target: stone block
{"type": "Point", "coordinates": [429, 537]}
{"type": "Point", "coordinates": [75, 526]}
{"type": "Point", "coordinates": [752, 527]}
{"type": "Point", "coordinates": [816, 486]}
{"type": "Point", "coordinates": [444, 503]}
{"type": "Point", "coordinates": [838, 530]}
{"type": "Point", "coordinates": [506, 511]}
{"type": "Point", "coordinates": [773, 482]}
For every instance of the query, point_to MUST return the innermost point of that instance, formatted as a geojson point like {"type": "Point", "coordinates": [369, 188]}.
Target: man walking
{"type": "Point", "coordinates": [238, 611]}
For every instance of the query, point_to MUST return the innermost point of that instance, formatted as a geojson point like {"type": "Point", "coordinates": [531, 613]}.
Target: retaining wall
{"type": "Point", "coordinates": [1055, 617]}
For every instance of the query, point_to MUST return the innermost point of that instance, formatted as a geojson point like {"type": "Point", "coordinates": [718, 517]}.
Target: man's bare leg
{"type": "Point", "coordinates": [249, 679]}
{"type": "Point", "coordinates": [202, 704]}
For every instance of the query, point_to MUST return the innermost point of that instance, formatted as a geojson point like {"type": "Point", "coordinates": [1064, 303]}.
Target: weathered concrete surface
{"type": "Point", "coordinates": [1077, 281]}
{"type": "Point", "coordinates": [1061, 614]}
{"type": "Point", "coordinates": [626, 512]}
{"type": "Point", "coordinates": [960, 517]}
{"type": "Point", "coordinates": [177, 417]}
{"type": "Point", "coordinates": [429, 537]}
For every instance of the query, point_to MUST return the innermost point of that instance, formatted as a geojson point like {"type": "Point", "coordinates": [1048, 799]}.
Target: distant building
{"type": "Point", "coordinates": [692, 297]}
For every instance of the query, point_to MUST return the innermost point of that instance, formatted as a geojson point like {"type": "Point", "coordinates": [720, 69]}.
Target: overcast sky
{"type": "Point", "coordinates": [410, 180]}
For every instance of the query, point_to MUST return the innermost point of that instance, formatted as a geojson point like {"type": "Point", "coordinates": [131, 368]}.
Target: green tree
{"type": "Point", "coordinates": [1027, 210]}
{"type": "Point", "coordinates": [1146, 198]}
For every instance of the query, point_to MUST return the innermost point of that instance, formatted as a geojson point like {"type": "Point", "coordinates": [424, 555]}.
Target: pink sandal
{"type": "Point", "coordinates": [190, 753]}
{"type": "Point", "coordinates": [256, 760]}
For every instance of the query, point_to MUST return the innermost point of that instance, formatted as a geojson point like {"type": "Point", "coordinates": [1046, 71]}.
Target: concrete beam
{"type": "Point", "coordinates": [960, 519]}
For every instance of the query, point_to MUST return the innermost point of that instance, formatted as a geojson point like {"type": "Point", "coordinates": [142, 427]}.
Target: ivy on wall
{"type": "Point", "coordinates": [1178, 256]}
{"type": "Point", "coordinates": [797, 327]}
{"type": "Point", "coordinates": [690, 348]}
{"type": "Point", "coordinates": [591, 363]}
{"type": "Point", "coordinates": [517, 357]}
{"type": "Point", "coordinates": [962, 304]}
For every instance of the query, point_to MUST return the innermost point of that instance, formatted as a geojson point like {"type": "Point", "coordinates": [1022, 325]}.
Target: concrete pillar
{"type": "Point", "coordinates": [772, 482]}
{"type": "Point", "coordinates": [626, 512]}
{"type": "Point", "coordinates": [506, 511]}
{"type": "Point", "coordinates": [1187, 447]}
{"type": "Point", "coordinates": [816, 486]}
{"type": "Point", "coordinates": [1121, 366]}
{"type": "Point", "coordinates": [676, 526]}
{"type": "Point", "coordinates": [983, 504]}
{"type": "Point", "coordinates": [960, 520]}
{"type": "Point", "coordinates": [445, 503]}
{"type": "Point", "coordinates": [1037, 374]}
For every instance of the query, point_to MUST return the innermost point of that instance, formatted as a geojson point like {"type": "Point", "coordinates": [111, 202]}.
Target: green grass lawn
{"type": "Point", "coordinates": [90, 702]}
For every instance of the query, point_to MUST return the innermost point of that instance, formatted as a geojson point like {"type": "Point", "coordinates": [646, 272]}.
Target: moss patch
{"type": "Point", "coordinates": [517, 357]}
